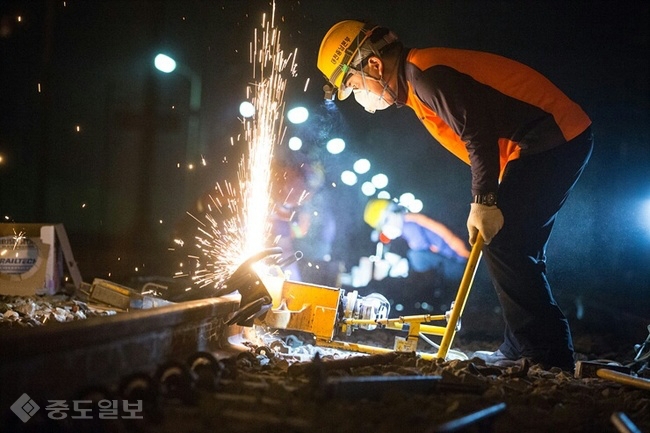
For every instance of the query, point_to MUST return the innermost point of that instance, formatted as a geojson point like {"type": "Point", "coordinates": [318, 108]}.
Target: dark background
{"type": "Point", "coordinates": [117, 186]}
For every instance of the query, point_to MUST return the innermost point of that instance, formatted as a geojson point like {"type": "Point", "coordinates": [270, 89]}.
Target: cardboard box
{"type": "Point", "coordinates": [32, 259]}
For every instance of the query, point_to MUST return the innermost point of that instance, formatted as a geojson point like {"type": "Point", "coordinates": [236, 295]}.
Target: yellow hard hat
{"type": "Point", "coordinates": [374, 211]}
{"type": "Point", "coordinates": [339, 51]}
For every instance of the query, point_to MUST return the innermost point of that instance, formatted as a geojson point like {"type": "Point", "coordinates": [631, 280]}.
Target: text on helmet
{"type": "Point", "coordinates": [340, 50]}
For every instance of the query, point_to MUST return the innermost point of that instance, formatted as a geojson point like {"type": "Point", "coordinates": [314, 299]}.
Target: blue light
{"type": "Point", "coordinates": [348, 177]}
{"type": "Point", "coordinates": [335, 146]}
{"type": "Point", "coordinates": [380, 181]}
{"type": "Point", "coordinates": [368, 189]}
{"type": "Point", "coordinates": [416, 206]}
{"type": "Point", "coordinates": [645, 215]}
{"type": "Point", "coordinates": [361, 166]}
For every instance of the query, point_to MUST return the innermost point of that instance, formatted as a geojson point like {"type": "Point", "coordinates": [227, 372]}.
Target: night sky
{"type": "Point", "coordinates": [91, 135]}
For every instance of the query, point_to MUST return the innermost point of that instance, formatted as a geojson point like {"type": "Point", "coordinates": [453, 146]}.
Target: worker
{"type": "Point", "coordinates": [526, 144]}
{"type": "Point", "coordinates": [432, 246]}
{"type": "Point", "coordinates": [301, 221]}
{"type": "Point", "coordinates": [288, 221]}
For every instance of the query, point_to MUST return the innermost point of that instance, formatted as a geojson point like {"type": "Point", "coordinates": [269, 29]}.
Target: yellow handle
{"type": "Point", "coordinates": [461, 296]}
{"type": "Point", "coordinates": [623, 378]}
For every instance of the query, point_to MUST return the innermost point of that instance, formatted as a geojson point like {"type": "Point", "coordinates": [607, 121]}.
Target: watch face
{"type": "Point", "coordinates": [489, 199]}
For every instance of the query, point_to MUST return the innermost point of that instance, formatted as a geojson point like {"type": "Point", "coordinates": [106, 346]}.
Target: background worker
{"type": "Point", "coordinates": [526, 143]}
{"type": "Point", "coordinates": [432, 246]}
{"type": "Point", "coordinates": [289, 222]}
{"type": "Point", "coordinates": [302, 221]}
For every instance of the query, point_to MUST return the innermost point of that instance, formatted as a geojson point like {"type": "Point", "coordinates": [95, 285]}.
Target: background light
{"type": "Point", "coordinates": [164, 63]}
{"type": "Point", "coordinates": [335, 146]}
{"type": "Point", "coordinates": [406, 199]}
{"type": "Point", "coordinates": [645, 215]}
{"type": "Point", "coordinates": [368, 189]}
{"type": "Point", "coordinates": [295, 143]}
{"type": "Point", "coordinates": [361, 166]}
{"type": "Point", "coordinates": [246, 109]}
{"type": "Point", "coordinates": [380, 181]}
{"type": "Point", "coordinates": [384, 194]}
{"type": "Point", "coordinates": [349, 178]}
{"type": "Point", "coordinates": [297, 115]}
{"type": "Point", "coordinates": [415, 206]}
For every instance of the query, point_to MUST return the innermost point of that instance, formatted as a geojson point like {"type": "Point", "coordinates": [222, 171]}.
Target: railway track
{"type": "Point", "coordinates": [180, 368]}
{"type": "Point", "coordinates": [62, 361]}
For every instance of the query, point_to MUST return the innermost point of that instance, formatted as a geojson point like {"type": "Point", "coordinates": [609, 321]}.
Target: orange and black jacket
{"type": "Point", "coordinates": [486, 109]}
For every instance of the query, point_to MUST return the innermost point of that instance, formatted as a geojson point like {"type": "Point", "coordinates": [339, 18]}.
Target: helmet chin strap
{"type": "Point", "coordinates": [385, 87]}
{"type": "Point", "coordinates": [391, 92]}
{"type": "Point", "coordinates": [371, 108]}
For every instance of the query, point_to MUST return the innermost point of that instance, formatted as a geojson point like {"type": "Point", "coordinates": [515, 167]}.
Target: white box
{"type": "Point", "coordinates": [32, 257]}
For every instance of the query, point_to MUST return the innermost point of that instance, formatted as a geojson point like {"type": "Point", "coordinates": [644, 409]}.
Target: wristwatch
{"type": "Point", "coordinates": [489, 199]}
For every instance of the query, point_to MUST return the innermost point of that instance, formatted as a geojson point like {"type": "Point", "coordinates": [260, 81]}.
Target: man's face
{"type": "Point", "coordinates": [359, 81]}
{"type": "Point", "coordinates": [392, 224]}
{"type": "Point", "coordinates": [368, 87]}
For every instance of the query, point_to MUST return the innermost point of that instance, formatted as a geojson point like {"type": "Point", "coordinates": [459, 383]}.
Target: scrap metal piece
{"type": "Point", "coordinates": [119, 296]}
{"type": "Point", "coordinates": [586, 369]}
{"type": "Point", "coordinates": [376, 387]}
{"type": "Point", "coordinates": [109, 293]}
{"type": "Point", "coordinates": [483, 418]}
{"type": "Point", "coordinates": [623, 423]}
{"type": "Point", "coordinates": [341, 364]}
{"type": "Point", "coordinates": [641, 362]}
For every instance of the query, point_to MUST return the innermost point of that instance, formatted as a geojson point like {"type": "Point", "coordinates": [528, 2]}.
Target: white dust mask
{"type": "Point", "coordinates": [370, 101]}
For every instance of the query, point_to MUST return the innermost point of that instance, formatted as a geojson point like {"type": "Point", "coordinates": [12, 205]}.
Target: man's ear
{"type": "Point", "coordinates": [376, 64]}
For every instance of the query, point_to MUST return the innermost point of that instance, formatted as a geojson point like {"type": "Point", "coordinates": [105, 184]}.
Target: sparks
{"type": "Point", "coordinates": [238, 225]}
{"type": "Point", "coordinates": [19, 238]}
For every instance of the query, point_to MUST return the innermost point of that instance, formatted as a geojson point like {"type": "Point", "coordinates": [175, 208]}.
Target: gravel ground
{"type": "Point", "coordinates": [270, 387]}
{"type": "Point", "coordinates": [30, 311]}
{"type": "Point", "coordinates": [274, 393]}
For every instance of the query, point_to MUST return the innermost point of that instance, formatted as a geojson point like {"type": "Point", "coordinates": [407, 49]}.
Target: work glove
{"type": "Point", "coordinates": [485, 219]}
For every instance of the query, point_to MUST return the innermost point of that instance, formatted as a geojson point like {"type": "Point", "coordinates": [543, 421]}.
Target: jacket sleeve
{"type": "Point", "coordinates": [441, 233]}
{"type": "Point", "coordinates": [464, 105]}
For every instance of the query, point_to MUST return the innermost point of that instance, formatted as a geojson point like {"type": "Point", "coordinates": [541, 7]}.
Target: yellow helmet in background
{"type": "Point", "coordinates": [339, 51]}
{"type": "Point", "coordinates": [374, 211]}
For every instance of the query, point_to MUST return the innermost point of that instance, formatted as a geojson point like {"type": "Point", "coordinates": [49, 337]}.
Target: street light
{"type": "Point", "coordinates": [164, 63]}
{"type": "Point", "coordinates": [167, 64]}
{"type": "Point", "coordinates": [194, 147]}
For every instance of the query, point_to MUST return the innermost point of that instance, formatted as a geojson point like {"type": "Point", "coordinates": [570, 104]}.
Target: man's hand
{"type": "Point", "coordinates": [485, 219]}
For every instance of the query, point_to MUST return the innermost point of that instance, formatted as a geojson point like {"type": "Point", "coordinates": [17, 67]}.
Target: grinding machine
{"type": "Point", "coordinates": [333, 314]}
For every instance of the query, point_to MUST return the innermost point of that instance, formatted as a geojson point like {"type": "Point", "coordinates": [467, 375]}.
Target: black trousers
{"type": "Point", "coordinates": [532, 191]}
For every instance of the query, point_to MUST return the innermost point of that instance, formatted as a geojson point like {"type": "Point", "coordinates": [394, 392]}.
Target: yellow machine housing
{"type": "Point", "coordinates": [327, 312]}
{"type": "Point", "coordinates": [305, 307]}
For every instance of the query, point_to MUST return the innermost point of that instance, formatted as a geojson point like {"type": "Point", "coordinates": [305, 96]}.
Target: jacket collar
{"type": "Point", "coordinates": [402, 86]}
